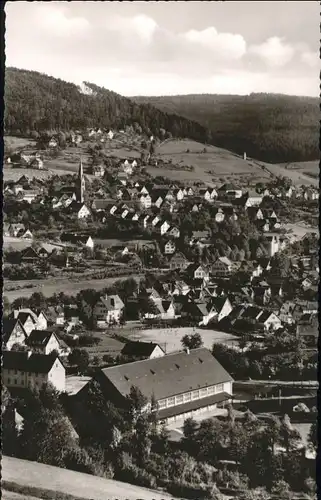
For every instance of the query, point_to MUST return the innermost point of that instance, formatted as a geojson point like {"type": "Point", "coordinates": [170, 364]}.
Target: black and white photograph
{"type": "Point", "coordinates": [160, 250]}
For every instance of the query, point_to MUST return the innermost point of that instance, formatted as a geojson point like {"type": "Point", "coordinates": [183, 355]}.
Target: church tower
{"type": "Point", "coordinates": [80, 183]}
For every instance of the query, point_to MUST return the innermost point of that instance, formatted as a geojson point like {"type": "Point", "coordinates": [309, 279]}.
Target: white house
{"type": "Point", "coordinates": [28, 369]}
{"type": "Point", "coordinates": [108, 310]}
{"type": "Point", "coordinates": [110, 135]}
{"type": "Point", "coordinates": [169, 247]}
{"type": "Point", "coordinates": [145, 200]}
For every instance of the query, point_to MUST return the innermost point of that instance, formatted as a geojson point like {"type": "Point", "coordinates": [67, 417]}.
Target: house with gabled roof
{"type": "Point", "coordinates": [145, 200]}
{"type": "Point", "coordinates": [55, 315]}
{"type": "Point", "coordinates": [164, 310]}
{"type": "Point", "coordinates": [108, 310]}
{"type": "Point", "coordinates": [230, 190]}
{"type": "Point", "coordinates": [197, 272]}
{"type": "Point", "coordinates": [45, 342]}
{"type": "Point", "coordinates": [174, 231]}
{"type": "Point", "coordinates": [80, 209]}
{"type": "Point", "coordinates": [253, 198]}
{"type": "Point", "coordinates": [142, 350]}
{"type": "Point", "coordinates": [222, 267]}
{"type": "Point", "coordinates": [13, 332]}
{"type": "Point", "coordinates": [28, 369]}
{"type": "Point", "coordinates": [169, 247]}
{"type": "Point", "coordinates": [181, 384]}
{"type": "Point", "coordinates": [178, 261]}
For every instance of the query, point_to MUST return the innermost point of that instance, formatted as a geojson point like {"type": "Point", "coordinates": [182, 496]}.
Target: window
{"type": "Point", "coordinates": [211, 390]}
{"type": "Point", "coordinates": [179, 399]}
{"type": "Point", "coordinates": [203, 392]}
{"type": "Point", "coordinates": [162, 404]}
{"type": "Point", "coordinates": [15, 382]}
{"type": "Point", "coordinates": [22, 382]}
{"type": "Point", "coordinates": [171, 401]}
{"type": "Point", "coordinates": [195, 395]}
{"type": "Point", "coordinates": [219, 388]}
{"type": "Point", "coordinates": [187, 397]}
{"type": "Point", "coordinates": [9, 380]}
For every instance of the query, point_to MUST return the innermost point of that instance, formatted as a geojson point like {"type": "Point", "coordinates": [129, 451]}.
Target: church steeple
{"type": "Point", "coordinates": [81, 183]}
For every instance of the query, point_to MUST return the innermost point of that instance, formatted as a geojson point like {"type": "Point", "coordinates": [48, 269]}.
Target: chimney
{"type": "Point", "coordinates": [187, 350]}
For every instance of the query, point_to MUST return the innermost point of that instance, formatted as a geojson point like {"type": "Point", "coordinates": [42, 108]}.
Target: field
{"type": "Point", "coordinates": [298, 231]}
{"type": "Point", "coordinates": [310, 168]}
{"type": "Point", "coordinates": [78, 484]}
{"type": "Point", "coordinates": [217, 165]}
{"type": "Point", "coordinates": [214, 166]}
{"type": "Point", "coordinates": [170, 338]}
{"type": "Point", "coordinates": [50, 286]}
{"type": "Point", "coordinates": [19, 243]}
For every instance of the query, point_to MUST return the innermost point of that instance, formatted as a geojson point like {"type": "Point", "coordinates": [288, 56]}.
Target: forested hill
{"type": "Point", "coordinates": [271, 127]}
{"type": "Point", "coordinates": [37, 102]}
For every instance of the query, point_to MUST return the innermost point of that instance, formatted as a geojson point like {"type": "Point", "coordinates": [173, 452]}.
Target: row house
{"type": "Point", "coordinates": [209, 194]}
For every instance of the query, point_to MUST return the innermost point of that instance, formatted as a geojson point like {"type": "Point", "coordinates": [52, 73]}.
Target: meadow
{"type": "Point", "coordinates": [84, 486]}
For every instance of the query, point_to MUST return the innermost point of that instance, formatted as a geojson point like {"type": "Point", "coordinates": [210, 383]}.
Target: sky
{"type": "Point", "coordinates": [169, 48]}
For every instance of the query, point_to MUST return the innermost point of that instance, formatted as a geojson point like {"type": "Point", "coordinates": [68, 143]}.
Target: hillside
{"type": "Point", "coordinates": [270, 127]}
{"type": "Point", "coordinates": [35, 102]}
{"type": "Point", "coordinates": [46, 477]}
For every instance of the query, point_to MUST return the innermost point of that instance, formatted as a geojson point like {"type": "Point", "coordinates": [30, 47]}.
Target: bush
{"type": "Point", "coordinates": [192, 491]}
{"type": "Point", "coordinates": [88, 340]}
{"type": "Point", "coordinates": [132, 474]}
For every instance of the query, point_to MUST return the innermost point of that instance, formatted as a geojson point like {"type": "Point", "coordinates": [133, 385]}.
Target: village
{"type": "Point", "coordinates": [201, 307]}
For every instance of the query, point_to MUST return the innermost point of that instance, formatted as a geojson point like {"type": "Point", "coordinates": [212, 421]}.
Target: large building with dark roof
{"type": "Point", "coordinates": [183, 384]}
{"type": "Point", "coordinates": [22, 369]}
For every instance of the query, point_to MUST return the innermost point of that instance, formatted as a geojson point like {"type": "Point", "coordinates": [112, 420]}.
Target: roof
{"type": "Point", "coordinates": [8, 325]}
{"type": "Point", "coordinates": [112, 302]}
{"type": "Point", "coordinates": [168, 375]}
{"type": "Point", "coordinates": [228, 187]}
{"type": "Point", "coordinates": [39, 337]}
{"type": "Point", "coordinates": [225, 260]}
{"type": "Point", "coordinates": [26, 362]}
{"type": "Point", "coordinates": [136, 348]}
{"type": "Point", "coordinates": [24, 314]}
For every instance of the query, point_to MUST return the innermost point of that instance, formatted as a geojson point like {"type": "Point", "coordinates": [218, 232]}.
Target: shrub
{"type": "Point", "coordinates": [132, 474]}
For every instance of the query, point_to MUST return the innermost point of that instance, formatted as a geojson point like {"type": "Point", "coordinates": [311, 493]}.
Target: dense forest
{"type": "Point", "coordinates": [271, 127]}
{"type": "Point", "coordinates": [37, 102]}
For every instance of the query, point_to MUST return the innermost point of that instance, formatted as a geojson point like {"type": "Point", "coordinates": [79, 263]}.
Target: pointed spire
{"type": "Point", "coordinates": [80, 183]}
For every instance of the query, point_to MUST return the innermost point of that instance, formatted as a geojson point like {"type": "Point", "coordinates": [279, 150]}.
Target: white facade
{"type": "Point", "coordinates": [16, 378]}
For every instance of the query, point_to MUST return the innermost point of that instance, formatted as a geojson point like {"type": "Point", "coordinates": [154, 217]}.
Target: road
{"type": "Point", "coordinates": [78, 484]}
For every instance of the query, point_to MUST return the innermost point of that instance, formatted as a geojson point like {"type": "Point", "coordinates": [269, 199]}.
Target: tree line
{"type": "Point", "coordinates": [36, 102]}
{"type": "Point", "coordinates": [270, 127]}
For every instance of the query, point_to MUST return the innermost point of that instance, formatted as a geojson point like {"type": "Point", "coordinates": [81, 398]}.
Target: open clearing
{"type": "Point", "coordinates": [298, 231]}
{"type": "Point", "coordinates": [20, 243]}
{"type": "Point", "coordinates": [219, 163]}
{"type": "Point", "coordinates": [51, 286]}
{"type": "Point", "coordinates": [10, 495]}
{"type": "Point", "coordinates": [170, 338]}
{"type": "Point", "coordinates": [81, 485]}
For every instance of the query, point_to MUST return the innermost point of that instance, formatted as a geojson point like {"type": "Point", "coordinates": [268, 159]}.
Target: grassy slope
{"type": "Point", "coordinates": [74, 483]}
{"type": "Point", "coordinates": [221, 164]}
{"type": "Point", "coordinates": [48, 287]}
